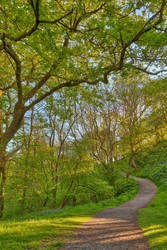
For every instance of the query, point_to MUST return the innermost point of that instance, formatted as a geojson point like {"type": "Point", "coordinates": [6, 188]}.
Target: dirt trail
{"type": "Point", "coordinates": [116, 228]}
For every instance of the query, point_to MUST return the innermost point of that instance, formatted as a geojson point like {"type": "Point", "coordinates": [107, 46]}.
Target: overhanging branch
{"type": "Point", "coordinates": [10, 51]}
{"type": "Point", "coordinates": [71, 83]}
{"type": "Point", "coordinates": [35, 8]}
{"type": "Point", "coordinates": [150, 72]}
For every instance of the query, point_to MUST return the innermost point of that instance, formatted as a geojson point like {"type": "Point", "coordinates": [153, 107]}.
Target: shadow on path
{"type": "Point", "coordinates": [116, 228]}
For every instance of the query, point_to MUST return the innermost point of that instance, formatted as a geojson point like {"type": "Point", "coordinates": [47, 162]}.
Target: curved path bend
{"type": "Point", "coordinates": [116, 228]}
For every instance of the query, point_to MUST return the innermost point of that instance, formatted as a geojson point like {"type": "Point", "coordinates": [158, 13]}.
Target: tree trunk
{"type": "Point", "coordinates": [56, 180]}
{"type": "Point", "coordinates": [2, 184]}
{"type": "Point", "coordinates": [131, 157]}
{"type": "Point", "coordinates": [65, 199]}
{"type": "Point", "coordinates": [134, 164]}
{"type": "Point", "coordinates": [129, 165]}
{"type": "Point", "coordinates": [24, 192]}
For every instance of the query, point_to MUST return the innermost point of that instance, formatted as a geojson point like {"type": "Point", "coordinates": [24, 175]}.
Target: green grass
{"type": "Point", "coordinates": [153, 221]}
{"type": "Point", "coordinates": [153, 218]}
{"type": "Point", "coordinates": [50, 231]}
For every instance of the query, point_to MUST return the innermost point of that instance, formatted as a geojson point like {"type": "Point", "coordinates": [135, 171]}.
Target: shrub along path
{"type": "Point", "coordinates": [116, 228]}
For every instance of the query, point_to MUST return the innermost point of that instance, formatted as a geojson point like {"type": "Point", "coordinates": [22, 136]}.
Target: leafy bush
{"type": "Point", "coordinates": [154, 163]}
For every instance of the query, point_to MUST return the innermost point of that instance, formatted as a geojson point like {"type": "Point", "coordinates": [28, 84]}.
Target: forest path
{"type": "Point", "coordinates": [116, 228]}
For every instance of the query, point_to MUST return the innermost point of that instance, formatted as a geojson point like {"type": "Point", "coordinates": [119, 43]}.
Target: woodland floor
{"type": "Point", "coordinates": [115, 228]}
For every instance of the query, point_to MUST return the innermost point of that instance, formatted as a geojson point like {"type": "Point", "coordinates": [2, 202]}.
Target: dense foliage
{"type": "Point", "coordinates": [154, 163]}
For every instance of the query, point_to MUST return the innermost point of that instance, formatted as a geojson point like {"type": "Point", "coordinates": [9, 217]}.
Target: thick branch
{"type": "Point", "coordinates": [68, 84]}
{"type": "Point", "coordinates": [39, 85]}
{"type": "Point", "coordinates": [47, 74]}
{"type": "Point", "coordinates": [37, 22]}
{"type": "Point", "coordinates": [15, 124]}
{"type": "Point", "coordinates": [34, 27]}
{"type": "Point", "coordinates": [9, 50]}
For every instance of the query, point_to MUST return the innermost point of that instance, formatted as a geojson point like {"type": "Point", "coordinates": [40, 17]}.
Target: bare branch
{"type": "Point", "coordinates": [39, 85]}
{"type": "Point", "coordinates": [150, 72]}
{"type": "Point", "coordinates": [10, 154]}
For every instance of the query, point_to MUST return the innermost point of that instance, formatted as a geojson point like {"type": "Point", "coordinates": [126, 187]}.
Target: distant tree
{"type": "Point", "coordinates": [134, 108]}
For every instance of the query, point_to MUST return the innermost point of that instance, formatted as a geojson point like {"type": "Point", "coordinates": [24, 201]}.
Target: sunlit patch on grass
{"type": "Point", "coordinates": [153, 221]}
{"type": "Point", "coordinates": [51, 230]}
{"type": "Point", "coordinates": [40, 232]}
{"type": "Point", "coordinates": [157, 236]}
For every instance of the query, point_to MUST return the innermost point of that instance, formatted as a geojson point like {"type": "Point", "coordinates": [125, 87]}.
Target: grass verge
{"type": "Point", "coordinates": [50, 231]}
{"type": "Point", "coordinates": [153, 221]}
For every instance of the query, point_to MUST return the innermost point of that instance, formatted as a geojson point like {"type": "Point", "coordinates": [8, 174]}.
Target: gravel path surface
{"type": "Point", "coordinates": [116, 228]}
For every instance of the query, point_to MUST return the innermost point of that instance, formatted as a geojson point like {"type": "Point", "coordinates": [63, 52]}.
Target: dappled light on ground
{"type": "Point", "coordinates": [116, 228]}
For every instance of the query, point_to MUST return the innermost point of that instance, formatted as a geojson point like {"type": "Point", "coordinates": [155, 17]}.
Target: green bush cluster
{"type": "Point", "coordinates": [90, 183]}
{"type": "Point", "coordinates": [154, 163]}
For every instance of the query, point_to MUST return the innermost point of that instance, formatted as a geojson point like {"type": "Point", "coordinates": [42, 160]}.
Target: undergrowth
{"type": "Point", "coordinates": [50, 230]}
